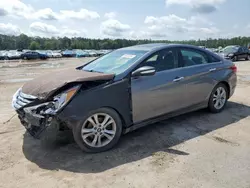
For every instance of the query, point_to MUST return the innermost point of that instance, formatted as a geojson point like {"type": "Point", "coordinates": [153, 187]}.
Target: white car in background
{"type": "Point", "coordinates": [53, 54]}
{"type": "Point", "coordinates": [49, 53]}
{"type": "Point", "coordinates": [56, 54]}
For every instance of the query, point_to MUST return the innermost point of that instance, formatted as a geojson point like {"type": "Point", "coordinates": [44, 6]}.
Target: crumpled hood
{"type": "Point", "coordinates": [45, 85]}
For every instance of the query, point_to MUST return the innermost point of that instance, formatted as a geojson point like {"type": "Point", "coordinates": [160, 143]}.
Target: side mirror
{"type": "Point", "coordinates": [144, 71]}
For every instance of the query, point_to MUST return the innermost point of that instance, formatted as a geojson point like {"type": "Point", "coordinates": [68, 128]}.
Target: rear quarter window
{"type": "Point", "coordinates": [213, 59]}
{"type": "Point", "coordinates": [191, 57]}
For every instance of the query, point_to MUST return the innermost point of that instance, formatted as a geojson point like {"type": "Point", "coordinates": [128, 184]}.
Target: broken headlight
{"type": "Point", "coordinates": [63, 98]}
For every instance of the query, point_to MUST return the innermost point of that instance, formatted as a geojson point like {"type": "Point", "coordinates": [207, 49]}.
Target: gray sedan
{"type": "Point", "coordinates": [124, 90]}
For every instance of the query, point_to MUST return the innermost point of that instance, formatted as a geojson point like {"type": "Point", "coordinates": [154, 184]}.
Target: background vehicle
{"type": "Point", "coordinates": [33, 55]}
{"type": "Point", "coordinates": [125, 90]}
{"type": "Point", "coordinates": [13, 55]}
{"type": "Point", "coordinates": [203, 47]}
{"type": "Point", "coordinates": [69, 53]}
{"type": "Point", "coordinates": [3, 55]}
{"type": "Point", "coordinates": [56, 54]}
{"type": "Point", "coordinates": [235, 53]}
{"type": "Point", "coordinates": [214, 50]}
{"type": "Point", "coordinates": [81, 53]}
{"type": "Point", "coordinates": [49, 53]}
{"type": "Point", "coordinates": [92, 53]}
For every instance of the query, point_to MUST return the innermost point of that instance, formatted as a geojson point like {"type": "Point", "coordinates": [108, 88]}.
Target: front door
{"type": "Point", "coordinates": [161, 93]}
{"type": "Point", "coordinates": [245, 50]}
{"type": "Point", "coordinates": [243, 53]}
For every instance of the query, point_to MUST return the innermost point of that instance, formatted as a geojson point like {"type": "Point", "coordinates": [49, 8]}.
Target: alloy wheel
{"type": "Point", "coordinates": [219, 98]}
{"type": "Point", "coordinates": [98, 130]}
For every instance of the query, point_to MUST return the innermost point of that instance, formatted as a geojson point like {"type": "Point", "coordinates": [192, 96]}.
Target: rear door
{"type": "Point", "coordinates": [32, 55]}
{"type": "Point", "coordinates": [36, 55]}
{"type": "Point", "coordinates": [28, 55]}
{"type": "Point", "coordinates": [198, 69]}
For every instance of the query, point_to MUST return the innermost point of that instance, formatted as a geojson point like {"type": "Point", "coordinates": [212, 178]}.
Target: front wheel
{"type": "Point", "coordinates": [100, 130]}
{"type": "Point", "coordinates": [235, 58]}
{"type": "Point", "coordinates": [218, 98]}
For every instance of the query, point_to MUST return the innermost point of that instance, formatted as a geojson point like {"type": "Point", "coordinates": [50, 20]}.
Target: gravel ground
{"type": "Point", "coordinates": [198, 149]}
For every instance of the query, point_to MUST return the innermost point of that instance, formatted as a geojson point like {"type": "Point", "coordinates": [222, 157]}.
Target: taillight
{"type": "Point", "coordinates": [234, 68]}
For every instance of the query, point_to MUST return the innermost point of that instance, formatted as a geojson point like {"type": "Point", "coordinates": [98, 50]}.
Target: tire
{"type": "Point", "coordinates": [248, 58]}
{"type": "Point", "coordinates": [212, 101]}
{"type": "Point", "coordinates": [25, 58]}
{"type": "Point", "coordinates": [85, 144]}
{"type": "Point", "coordinates": [235, 58]}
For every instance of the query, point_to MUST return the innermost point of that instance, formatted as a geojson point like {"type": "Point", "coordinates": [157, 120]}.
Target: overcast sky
{"type": "Point", "coordinates": [131, 19]}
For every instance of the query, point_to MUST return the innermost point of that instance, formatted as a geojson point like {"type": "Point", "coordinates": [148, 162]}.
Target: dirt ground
{"type": "Point", "coordinates": [198, 149]}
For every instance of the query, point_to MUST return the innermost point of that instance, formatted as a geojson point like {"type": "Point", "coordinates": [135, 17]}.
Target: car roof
{"type": "Point", "coordinates": [156, 46]}
{"type": "Point", "coordinates": [233, 46]}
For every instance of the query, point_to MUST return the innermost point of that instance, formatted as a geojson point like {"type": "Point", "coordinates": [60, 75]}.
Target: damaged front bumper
{"type": "Point", "coordinates": [34, 121]}
{"type": "Point", "coordinates": [34, 117]}
{"type": "Point", "coordinates": [38, 114]}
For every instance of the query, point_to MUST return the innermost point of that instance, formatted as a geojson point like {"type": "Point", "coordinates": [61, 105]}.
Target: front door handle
{"type": "Point", "coordinates": [177, 79]}
{"type": "Point", "coordinates": [213, 69]}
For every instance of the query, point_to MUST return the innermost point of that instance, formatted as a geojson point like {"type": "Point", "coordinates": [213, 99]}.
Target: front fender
{"type": "Point", "coordinates": [115, 95]}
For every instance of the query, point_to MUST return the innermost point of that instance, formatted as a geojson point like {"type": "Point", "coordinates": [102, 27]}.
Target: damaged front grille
{"type": "Point", "coordinates": [22, 100]}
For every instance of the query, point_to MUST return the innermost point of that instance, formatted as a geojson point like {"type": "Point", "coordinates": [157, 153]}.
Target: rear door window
{"type": "Point", "coordinates": [240, 50]}
{"type": "Point", "coordinates": [192, 57]}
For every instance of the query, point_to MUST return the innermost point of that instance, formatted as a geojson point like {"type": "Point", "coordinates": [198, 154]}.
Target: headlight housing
{"type": "Point", "coordinates": [230, 55]}
{"type": "Point", "coordinates": [63, 98]}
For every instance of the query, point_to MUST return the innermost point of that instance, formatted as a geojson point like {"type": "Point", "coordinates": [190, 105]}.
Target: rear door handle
{"type": "Point", "coordinates": [177, 79]}
{"type": "Point", "coordinates": [213, 69]}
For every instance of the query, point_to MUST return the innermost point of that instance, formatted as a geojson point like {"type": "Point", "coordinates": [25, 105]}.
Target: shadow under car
{"type": "Point", "coordinates": [137, 145]}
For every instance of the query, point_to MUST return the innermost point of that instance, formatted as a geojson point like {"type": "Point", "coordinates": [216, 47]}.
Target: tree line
{"type": "Point", "coordinates": [35, 43]}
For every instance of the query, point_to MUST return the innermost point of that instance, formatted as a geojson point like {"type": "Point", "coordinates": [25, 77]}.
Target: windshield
{"type": "Point", "coordinates": [115, 62]}
{"type": "Point", "coordinates": [230, 49]}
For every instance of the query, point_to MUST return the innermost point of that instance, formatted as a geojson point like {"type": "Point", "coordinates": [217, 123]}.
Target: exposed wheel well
{"type": "Point", "coordinates": [120, 115]}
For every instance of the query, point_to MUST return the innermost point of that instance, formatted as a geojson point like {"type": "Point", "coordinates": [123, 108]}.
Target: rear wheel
{"type": "Point", "coordinates": [218, 98]}
{"type": "Point", "coordinates": [100, 130]}
{"type": "Point", "coordinates": [248, 58]}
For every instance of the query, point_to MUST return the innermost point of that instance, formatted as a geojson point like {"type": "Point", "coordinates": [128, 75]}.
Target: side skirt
{"type": "Point", "coordinates": [164, 117]}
